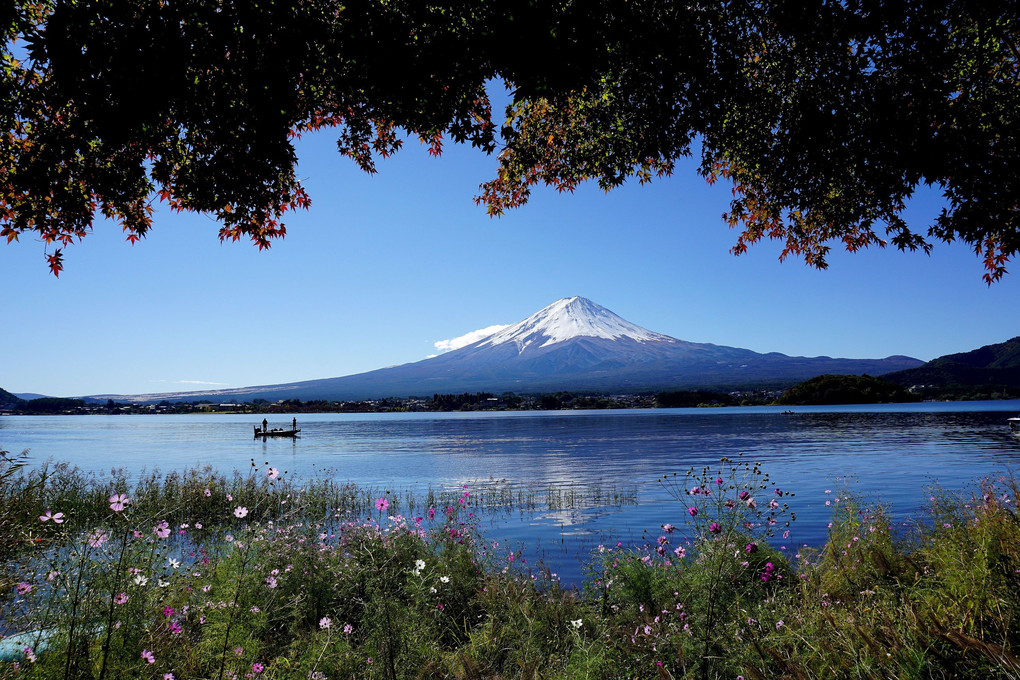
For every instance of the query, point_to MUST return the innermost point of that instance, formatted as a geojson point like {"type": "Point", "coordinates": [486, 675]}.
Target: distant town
{"type": "Point", "coordinates": [478, 401]}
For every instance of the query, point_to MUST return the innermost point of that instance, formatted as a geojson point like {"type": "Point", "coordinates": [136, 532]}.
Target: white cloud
{"type": "Point", "coordinates": [468, 338]}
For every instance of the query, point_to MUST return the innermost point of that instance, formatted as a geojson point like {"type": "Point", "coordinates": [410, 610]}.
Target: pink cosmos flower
{"type": "Point", "coordinates": [325, 622]}
{"type": "Point", "coordinates": [272, 473]}
{"type": "Point", "coordinates": [382, 504]}
{"type": "Point", "coordinates": [162, 529]}
{"type": "Point", "coordinates": [57, 518]}
{"type": "Point", "coordinates": [692, 511]}
{"type": "Point", "coordinates": [240, 511]}
{"type": "Point", "coordinates": [207, 493]}
{"type": "Point", "coordinates": [23, 588]}
{"type": "Point", "coordinates": [118, 502]}
{"type": "Point", "coordinates": [257, 668]}
{"type": "Point", "coordinates": [147, 655]}
{"type": "Point", "coordinates": [97, 538]}
{"type": "Point", "coordinates": [120, 598]}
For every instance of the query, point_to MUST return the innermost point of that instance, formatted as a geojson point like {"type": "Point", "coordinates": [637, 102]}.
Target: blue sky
{"type": "Point", "coordinates": [382, 267]}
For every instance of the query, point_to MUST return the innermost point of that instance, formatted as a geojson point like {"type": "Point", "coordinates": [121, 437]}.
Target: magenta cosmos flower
{"type": "Point", "coordinates": [692, 511]}
{"type": "Point", "coordinates": [382, 504]}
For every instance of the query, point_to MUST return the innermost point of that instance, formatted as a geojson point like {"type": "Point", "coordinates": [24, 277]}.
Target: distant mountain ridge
{"type": "Point", "coordinates": [572, 344]}
{"type": "Point", "coordinates": [992, 367]}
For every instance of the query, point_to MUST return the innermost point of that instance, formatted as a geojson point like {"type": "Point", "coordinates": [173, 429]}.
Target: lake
{"type": "Point", "coordinates": [892, 453]}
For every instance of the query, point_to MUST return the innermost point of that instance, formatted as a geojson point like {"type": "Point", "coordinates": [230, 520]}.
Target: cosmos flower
{"type": "Point", "coordinates": [57, 518]}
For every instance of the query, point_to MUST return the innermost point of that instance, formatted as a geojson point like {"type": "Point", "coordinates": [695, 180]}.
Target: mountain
{"type": "Point", "coordinates": [980, 372]}
{"type": "Point", "coordinates": [573, 344]}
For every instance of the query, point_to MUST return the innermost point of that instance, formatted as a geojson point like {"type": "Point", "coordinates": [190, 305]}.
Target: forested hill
{"type": "Point", "coordinates": [845, 389]}
{"type": "Point", "coordinates": [992, 371]}
{"type": "Point", "coordinates": [7, 399]}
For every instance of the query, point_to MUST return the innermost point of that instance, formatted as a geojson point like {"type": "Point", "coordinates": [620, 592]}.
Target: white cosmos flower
{"type": "Point", "coordinates": [444, 579]}
{"type": "Point", "coordinates": [141, 580]}
{"type": "Point", "coordinates": [576, 623]}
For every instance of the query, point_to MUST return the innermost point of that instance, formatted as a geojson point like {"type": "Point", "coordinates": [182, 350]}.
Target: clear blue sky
{"type": "Point", "coordinates": [384, 266]}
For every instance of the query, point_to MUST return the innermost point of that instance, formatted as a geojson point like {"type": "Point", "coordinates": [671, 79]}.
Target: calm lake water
{"type": "Point", "coordinates": [892, 453]}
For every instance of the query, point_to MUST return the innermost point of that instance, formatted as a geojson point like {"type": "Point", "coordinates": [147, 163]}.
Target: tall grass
{"type": "Point", "coordinates": [201, 575]}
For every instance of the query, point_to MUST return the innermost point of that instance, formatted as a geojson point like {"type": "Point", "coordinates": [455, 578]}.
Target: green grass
{"type": "Point", "coordinates": [253, 576]}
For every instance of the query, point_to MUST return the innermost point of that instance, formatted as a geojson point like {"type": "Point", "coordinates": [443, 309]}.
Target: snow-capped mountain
{"type": "Point", "coordinates": [570, 318]}
{"type": "Point", "coordinates": [573, 344]}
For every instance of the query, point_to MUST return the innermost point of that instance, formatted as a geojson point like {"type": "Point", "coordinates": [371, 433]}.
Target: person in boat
{"type": "Point", "coordinates": [265, 424]}
{"type": "Point", "coordinates": [293, 423]}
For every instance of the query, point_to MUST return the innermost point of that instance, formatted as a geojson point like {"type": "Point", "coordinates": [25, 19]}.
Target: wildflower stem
{"type": "Point", "coordinates": [233, 605]}
{"type": "Point", "coordinates": [109, 611]}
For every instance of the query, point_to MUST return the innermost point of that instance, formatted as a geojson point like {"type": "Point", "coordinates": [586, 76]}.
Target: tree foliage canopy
{"type": "Point", "coordinates": [824, 115]}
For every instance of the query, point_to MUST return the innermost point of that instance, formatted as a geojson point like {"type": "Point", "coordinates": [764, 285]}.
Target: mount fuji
{"type": "Point", "coordinates": [573, 344]}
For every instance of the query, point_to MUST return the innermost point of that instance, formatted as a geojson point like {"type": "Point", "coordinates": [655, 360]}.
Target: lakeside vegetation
{"type": "Point", "coordinates": [845, 389]}
{"type": "Point", "coordinates": [200, 575]}
{"type": "Point", "coordinates": [441, 403]}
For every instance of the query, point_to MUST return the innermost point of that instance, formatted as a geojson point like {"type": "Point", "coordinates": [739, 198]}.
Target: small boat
{"type": "Point", "coordinates": [263, 432]}
{"type": "Point", "coordinates": [1014, 424]}
{"type": "Point", "coordinates": [276, 432]}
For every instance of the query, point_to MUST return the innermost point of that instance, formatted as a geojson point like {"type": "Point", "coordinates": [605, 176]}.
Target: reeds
{"type": "Point", "coordinates": [203, 575]}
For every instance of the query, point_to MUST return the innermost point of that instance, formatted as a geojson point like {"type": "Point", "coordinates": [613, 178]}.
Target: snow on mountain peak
{"type": "Point", "coordinates": [571, 318]}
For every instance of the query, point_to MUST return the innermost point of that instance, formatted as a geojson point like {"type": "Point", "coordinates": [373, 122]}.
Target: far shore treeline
{"type": "Point", "coordinates": [477, 401]}
{"type": "Point", "coordinates": [823, 390]}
